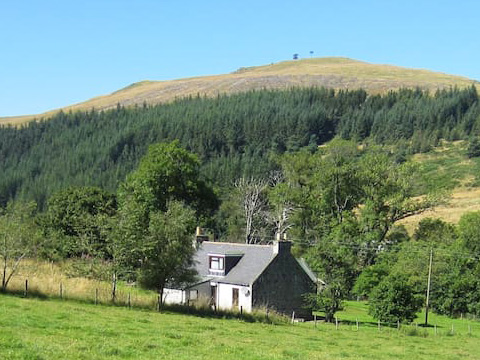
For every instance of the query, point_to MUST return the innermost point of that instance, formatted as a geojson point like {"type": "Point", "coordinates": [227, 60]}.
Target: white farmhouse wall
{"type": "Point", "coordinates": [176, 296]}
{"type": "Point", "coordinates": [173, 296]}
{"type": "Point", "coordinates": [225, 297]}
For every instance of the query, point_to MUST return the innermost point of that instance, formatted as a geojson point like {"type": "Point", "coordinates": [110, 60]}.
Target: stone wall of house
{"type": "Point", "coordinates": [281, 286]}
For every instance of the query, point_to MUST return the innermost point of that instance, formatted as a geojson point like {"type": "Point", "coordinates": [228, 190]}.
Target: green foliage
{"type": "Point", "coordinates": [157, 216]}
{"type": "Point", "coordinates": [76, 223]}
{"type": "Point", "coordinates": [233, 135]}
{"type": "Point", "coordinates": [168, 172]}
{"type": "Point", "coordinates": [469, 232]}
{"type": "Point", "coordinates": [335, 265]}
{"type": "Point", "coordinates": [369, 279]}
{"type": "Point", "coordinates": [394, 300]}
{"type": "Point", "coordinates": [435, 232]}
{"type": "Point", "coordinates": [167, 251]}
{"type": "Point", "coordinates": [19, 238]}
{"type": "Point", "coordinates": [361, 192]}
{"type": "Point", "coordinates": [473, 148]}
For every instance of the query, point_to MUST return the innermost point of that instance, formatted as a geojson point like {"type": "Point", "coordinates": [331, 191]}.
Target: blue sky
{"type": "Point", "coordinates": [56, 53]}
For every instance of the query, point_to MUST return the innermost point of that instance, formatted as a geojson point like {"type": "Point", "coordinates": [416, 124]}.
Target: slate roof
{"type": "Point", "coordinates": [253, 262]}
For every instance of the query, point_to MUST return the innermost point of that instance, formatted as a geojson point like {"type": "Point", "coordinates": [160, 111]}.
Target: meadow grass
{"type": "Point", "coordinates": [55, 329]}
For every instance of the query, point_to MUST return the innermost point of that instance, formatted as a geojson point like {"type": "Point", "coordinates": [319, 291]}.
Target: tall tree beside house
{"type": "Point", "coordinates": [147, 241]}
{"type": "Point", "coordinates": [167, 249]}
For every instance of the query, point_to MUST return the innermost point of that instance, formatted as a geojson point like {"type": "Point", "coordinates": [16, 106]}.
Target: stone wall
{"type": "Point", "coordinates": [281, 286]}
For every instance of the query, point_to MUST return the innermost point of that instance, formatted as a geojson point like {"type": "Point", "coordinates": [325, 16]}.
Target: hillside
{"type": "Point", "coordinates": [332, 72]}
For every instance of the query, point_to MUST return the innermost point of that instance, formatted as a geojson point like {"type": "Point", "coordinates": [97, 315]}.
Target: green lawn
{"type": "Point", "coordinates": [55, 329]}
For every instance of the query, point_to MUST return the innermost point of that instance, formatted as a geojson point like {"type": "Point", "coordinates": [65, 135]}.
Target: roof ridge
{"type": "Point", "coordinates": [236, 244]}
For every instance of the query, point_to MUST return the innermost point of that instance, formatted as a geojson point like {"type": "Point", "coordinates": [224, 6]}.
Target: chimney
{"type": "Point", "coordinates": [282, 246]}
{"type": "Point", "coordinates": [200, 237]}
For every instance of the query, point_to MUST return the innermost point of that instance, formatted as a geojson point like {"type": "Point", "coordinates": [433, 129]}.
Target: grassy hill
{"type": "Point", "coordinates": [34, 329]}
{"type": "Point", "coordinates": [447, 167]}
{"type": "Point", "coordinates": [332, 72]}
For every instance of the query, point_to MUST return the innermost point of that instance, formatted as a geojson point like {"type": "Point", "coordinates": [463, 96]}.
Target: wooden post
{"type": "Point", "coordinates": [114, 287]}
{"type": "Point", "coordinates": [96, 296]}
{"type": "Point", "coordinates": [61, 291]}
{"type": "Point", "coordinates": [356, 320]}
{"type": "Point", "coordinates": [26, 288]}
{"type": "Point", "coordinates": [129, 302]}
{"type": "Point", "coordinates": [315, 320]}
{"type": "Point", "coordinates": [293, 317]}
{"type": "Point", "coordinates": [398, 325]}
{"type": "Point", "coordinates": [241, 310]}
{"type": "Point", "coordinates": [435, 329]}
{"type": "Point", "coordinates": [336, 323]}
{"type": "Point", "coordinates": [427, 302]}
{"type": "Point", "coordinates": [378, 325]}
{"type": "Point", "coordinates": [159, 302]}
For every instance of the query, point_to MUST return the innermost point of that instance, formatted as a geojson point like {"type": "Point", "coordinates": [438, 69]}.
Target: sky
{"type": "Point", "coordinates": [57, 53]}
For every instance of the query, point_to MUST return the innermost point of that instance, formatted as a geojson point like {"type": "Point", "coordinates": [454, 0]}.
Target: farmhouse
{"type": "Point", "coordinates": [244, 277]}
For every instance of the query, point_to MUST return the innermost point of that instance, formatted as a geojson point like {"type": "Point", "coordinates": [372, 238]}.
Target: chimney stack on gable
{"type": "Point", "coordinates": [200, 237]}
{"type": "Point", "coordinates": [282, 246]}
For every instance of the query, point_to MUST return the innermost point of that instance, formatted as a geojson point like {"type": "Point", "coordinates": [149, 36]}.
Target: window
{"type": "Point", "coordinates": [217, 263]}
{"type": "Point", "coordinates": [193, 294]}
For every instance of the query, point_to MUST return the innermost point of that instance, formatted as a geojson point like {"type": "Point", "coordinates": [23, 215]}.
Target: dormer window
{"type": "Point", "coordinates": [217, 263]}
{"type": "Point", "coordinates": [221, 264]}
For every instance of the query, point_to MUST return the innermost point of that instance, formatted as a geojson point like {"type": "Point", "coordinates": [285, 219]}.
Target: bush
{"type": "Point", "coordinates": [394, 300]}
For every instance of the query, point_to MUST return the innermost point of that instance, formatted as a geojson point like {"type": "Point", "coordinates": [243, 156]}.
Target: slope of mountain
{"type": "Point", "coordinates": [332, 72]}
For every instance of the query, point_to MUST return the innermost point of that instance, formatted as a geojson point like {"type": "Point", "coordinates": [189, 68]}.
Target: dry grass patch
{"type": "Point", "coordinates": [462, 200]}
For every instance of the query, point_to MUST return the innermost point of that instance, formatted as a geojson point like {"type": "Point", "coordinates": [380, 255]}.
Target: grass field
{"type": "Point", "coordinates": [55, 329]}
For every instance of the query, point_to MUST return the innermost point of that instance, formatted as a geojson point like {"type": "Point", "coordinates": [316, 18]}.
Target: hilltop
{"type": "Point", "coordinates": [329, 72]}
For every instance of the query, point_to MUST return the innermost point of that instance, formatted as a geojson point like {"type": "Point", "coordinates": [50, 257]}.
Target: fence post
{"type": "Point", "coordinates": [26, 288]}
{"type": "Point", "coordinates": [378, 325]}
{"type": "Point", "coordinates": [435, 329]}
{"type": "Point", "coordinates": [61, 291]}
{"type": "Point", "coordinates": [356, 320]}
{"type": "Point", "coordinates": [336, 323]}
{"type": "Point", "coordinates": [398, 325]}
{"type": "Point", "coordinates": [96, 296]}
{"type": "Point", "coordinates": [129, 301]}
{"type": "Point", "coordinates": [293, 317]}
{"type": "Point", "coordinates": [315, 320]}
{"type": "Point", "coordinates": [114, 287]}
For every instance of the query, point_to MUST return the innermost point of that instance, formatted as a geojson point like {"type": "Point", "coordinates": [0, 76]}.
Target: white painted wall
{"type": "Point", "coordinates": [173, 296]}
{"type": "Point", "coordinates": [225, 297]}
